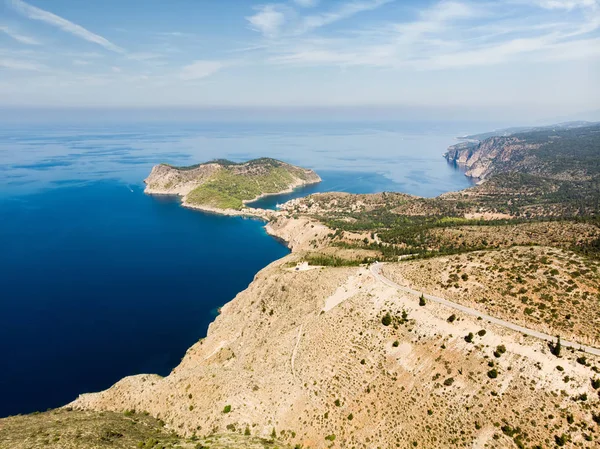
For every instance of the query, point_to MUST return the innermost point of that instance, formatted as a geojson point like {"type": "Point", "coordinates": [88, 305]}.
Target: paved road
{"type": "Point", "coordinates": [376, 271]}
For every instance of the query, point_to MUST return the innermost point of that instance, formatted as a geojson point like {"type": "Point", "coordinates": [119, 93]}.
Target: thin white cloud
{"type": "Point", "coordinates": [200, 69]}
{"type": "Point", "coordinates": [269, 20]}
{"type": "Point", "coordinates": [276, 19]}
{"type": "Point", "coordinates": [19, 37]}
{"type": "Point", "coordinates": [35, 13]}
{"type": "Point", "coordinates": [449, 35]}
{"type": "Point", "coordinates": [567, 4]}
{"type": "Point", "coordinates": [344, 11]}
{"type": "Point", "coordinates": [15, 64]}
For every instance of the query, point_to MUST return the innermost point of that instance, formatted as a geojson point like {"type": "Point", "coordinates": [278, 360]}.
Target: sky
{"type": "Point", "coordinates": [513, 58]}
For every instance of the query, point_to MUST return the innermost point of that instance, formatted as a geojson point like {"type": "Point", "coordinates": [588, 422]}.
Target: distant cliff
{"type": "Point", "coordinates": [480, 160]}
{"type": "Point", "coordinates": [223, 185]}
{"type": "Point", "coordinates": [562, 153]}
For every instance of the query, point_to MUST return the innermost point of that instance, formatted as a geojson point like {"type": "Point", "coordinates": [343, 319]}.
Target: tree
{"type": "Point", "coordinates": [387, 319]}
{"type": "Point", "coordinates": [422, 301]}
{"type": "Point", "coordinates": [556, 348]}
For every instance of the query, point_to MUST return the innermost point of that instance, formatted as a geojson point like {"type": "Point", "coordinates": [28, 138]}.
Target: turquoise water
{"type": "Point", "coordinates": [99, 281]}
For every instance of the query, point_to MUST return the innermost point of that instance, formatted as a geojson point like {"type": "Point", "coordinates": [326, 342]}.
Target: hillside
{"type": "Point", "coordinates": [309, 355]}
{"type": "Point", "coordinates": [559, 153]}
{"type": "Point", "coordinates": [223, 184]}
{"type": "Point", "coordinates": [74, 429]}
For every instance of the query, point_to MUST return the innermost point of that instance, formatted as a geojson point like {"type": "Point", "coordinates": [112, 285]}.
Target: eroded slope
{"type": "Point", "coordinates": [305, 354]}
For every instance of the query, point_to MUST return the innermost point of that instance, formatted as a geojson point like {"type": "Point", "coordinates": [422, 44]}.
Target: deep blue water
{"type": "Point", "coordinates": [99, 281]}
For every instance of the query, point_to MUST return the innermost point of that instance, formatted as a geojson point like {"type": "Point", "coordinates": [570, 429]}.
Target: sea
{"type": "Point", "coordinates": [99, 281]}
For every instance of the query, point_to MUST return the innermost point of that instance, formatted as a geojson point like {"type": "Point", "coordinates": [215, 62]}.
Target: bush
{"type": "Point", "coordinates": [422, 301]}
{"type": "Point", "coordinates": [500, 349]}
{"type": "Point", "coordinates": [387, 319]}
{"type": "Point", "coordinates": [227, 409]}
{"type": "Point", "coordinates": [449, 381]}
{"type": "Point", "coordinates": [481, 333]}
{"type": "Point", "coordinates": [582, 360]}
{"type": "Point", "coordinates": [451, 318]}
{"type": "Point", "coordinates": [595, 384]}
{"type": "Point", "coordinates": [396, 344]}
{"type": "Point", "coordinates": [330, 437]}
{"type": "Point", "coordinates": [560, 440]}
{"type": "Point", "coordinates": [469, 338]}
{"type": "Point", "coordinates": [350, 417]}
{"type": "Point", "coordinates": [493, 373]}
{"type": "Point", "coordinates": [556, 347]}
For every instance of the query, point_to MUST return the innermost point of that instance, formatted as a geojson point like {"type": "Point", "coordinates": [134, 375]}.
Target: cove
{"type": "Point", "coordinates": [101, 281]}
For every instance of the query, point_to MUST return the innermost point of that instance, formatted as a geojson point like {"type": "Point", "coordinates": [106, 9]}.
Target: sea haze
{"type": "Point", "coordinates": [99, 281]}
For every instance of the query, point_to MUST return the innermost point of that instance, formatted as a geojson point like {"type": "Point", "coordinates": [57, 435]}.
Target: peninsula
{"type": "Point", "coordinates": [226, 187]}
{"type": "Point", "coordinates": [450, 342]}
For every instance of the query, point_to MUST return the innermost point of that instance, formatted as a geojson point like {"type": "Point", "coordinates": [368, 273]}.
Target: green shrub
{"type": "Point", "coordinates": [449, 381]}
{"type": "Point", "coordinates": [396, 344]}
{"type": "Point", "coordinates": [560, 440]}
{"type": "Point", "coordinates": [227, 409]}
{"type": "Point", "coordinates": [500, 349]}
{"type": "Point", "coordinates": [481, 333]}
{"type": "Point", "coordinates": [493, 373]}
{"type": "Point", "coordinates": [556, 348]}
{"type": "Point", "coordinates": [451, 318]}
{"type": "Point", "coordinates": [387, 319]}
{"type": "Point", "coordinates": [469, 338]}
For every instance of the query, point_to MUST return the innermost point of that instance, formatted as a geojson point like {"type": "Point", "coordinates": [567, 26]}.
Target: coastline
{"type": "Point", "coordinates": [251, 212]}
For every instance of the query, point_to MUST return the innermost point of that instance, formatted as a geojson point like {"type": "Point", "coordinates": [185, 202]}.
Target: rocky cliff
{"type": "Point", "coordinates": [564, 152]}
{"type": "Point", "coordinates": [492, 155]}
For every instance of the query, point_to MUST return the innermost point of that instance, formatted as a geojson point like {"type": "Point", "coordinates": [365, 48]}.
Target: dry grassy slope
{"type": "Point", "coordinates": [305, 353]}
{"type": "Point", "coordinates": [559, 234]}
{"type": "Point", "coordinates": [547, 289]}
{"type": "Point", "coordinates": [68, 429]}
{"type": "Point", "coordinates": [168, 180]}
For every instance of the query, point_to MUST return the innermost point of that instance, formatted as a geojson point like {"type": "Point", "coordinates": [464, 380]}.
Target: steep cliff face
{"type": "Point", "coordinates": [491, 156]}
{"type": "Point", "coordinates": [224, 185]}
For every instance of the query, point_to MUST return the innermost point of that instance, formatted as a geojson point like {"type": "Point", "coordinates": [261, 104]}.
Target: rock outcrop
{"type": "Point", "coordinates": [483, 159]}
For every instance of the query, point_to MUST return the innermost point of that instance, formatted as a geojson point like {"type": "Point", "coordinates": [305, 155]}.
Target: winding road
{"type": "Point", "coordinates": [376, 271]}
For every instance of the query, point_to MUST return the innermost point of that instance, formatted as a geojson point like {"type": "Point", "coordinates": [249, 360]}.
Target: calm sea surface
{"type": "Point", "coordinates": [99, 281]}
